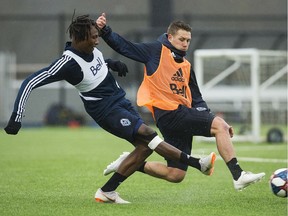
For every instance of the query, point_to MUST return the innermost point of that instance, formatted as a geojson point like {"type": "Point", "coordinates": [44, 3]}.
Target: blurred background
{"type": "Point", "coordinates": [33, 34]}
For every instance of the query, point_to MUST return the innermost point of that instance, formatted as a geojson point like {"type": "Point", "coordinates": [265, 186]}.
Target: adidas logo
{"type": "Point", "coordinates": [178, 76]}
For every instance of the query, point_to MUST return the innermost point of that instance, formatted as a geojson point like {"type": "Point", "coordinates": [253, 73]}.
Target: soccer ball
{"type": "Point", "coordinates": [278, 182]}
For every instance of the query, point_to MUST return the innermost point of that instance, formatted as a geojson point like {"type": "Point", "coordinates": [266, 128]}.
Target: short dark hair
{"type": "Point", "coordinates": [80, 27]}
{"type": "Point", "coordinates": [177, 25]}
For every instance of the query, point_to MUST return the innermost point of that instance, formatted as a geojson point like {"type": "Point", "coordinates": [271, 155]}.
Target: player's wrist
{"type": "Point", "coordinates": [105, 31]}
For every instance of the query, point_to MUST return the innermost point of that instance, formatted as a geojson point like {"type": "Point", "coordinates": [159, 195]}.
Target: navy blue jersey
{"type": "Point", "coordinates": [149, 54]}
{"type": "Point", "coordinates": [95, 83]}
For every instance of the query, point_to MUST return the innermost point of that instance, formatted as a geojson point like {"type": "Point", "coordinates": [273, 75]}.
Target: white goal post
{"type": "Point", "coordinates": [7, 75]}
{"type": "Point", "coordinates": [244, 84]}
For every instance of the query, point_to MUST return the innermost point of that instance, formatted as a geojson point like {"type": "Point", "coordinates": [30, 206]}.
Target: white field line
{"type": "Point", "coordinates": [250, 159]}
{"type": "Point", "coordinates": [258, 160]}
{"type": "Point", "coordinates": [262, 160]}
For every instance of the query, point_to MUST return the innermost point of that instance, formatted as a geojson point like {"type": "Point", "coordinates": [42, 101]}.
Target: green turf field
{"type": "Point", "coordinates": [56, 171]}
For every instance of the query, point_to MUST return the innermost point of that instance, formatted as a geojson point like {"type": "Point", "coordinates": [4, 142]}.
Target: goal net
{"type": "Point", "coordinates": [248, 87]}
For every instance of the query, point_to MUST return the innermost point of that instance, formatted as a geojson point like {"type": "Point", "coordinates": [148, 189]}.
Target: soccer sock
{"type": "Point", "coordinates": [191, 161]}
{"type": "Point", "coordinates": [113, 182]}
{"type": "Point", "coordinates": [141, 168]}
{"type": "Point", "coordinates": [234, 168]}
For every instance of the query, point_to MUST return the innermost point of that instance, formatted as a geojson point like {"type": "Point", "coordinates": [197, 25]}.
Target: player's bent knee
{"type": "Point", "coordinates": [219, 125]}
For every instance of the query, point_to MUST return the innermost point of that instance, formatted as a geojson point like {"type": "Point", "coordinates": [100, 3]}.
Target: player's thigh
{"type": "Point", "coordinates": [197, 122]}
{"type": "Point", "coordinates": [186, 120]}
{"type": "Point", "coordinates": [122, 123]}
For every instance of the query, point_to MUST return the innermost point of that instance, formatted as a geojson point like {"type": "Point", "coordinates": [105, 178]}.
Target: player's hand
{"type": "Point", "coordinates": [13, 127]}
{"type": "Point", "coordinates": [101, 21]}
{"type": "Point", "coordinates": [119, 67]}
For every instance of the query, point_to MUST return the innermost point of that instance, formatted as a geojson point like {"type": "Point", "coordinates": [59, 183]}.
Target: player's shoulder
{"type": "Point", "coordinates": [153, 44]}
{"type": "Point", "coordinates": [64, 60]}
{"type": "Point", "coordinates": [70, 65]}
{"type": "Point", "coordinates": [63, 65]}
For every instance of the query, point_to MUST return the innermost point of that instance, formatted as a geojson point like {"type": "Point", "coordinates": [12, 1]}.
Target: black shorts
{"type": "Point", "coordinates": [123, 121]}
{"type": "Point", "coordinates": [179, 126]}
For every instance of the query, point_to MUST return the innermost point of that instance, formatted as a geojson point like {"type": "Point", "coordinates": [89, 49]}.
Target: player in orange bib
{"type": "Point", "coordinates": [170, 91]}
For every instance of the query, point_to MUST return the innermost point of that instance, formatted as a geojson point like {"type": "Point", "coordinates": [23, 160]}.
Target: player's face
{"type": "Point", "coordinates": [91, 42]}
{"type": "Point", "coordinates": [181, 40]}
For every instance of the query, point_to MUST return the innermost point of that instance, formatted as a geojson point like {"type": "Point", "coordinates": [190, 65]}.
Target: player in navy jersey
{"type": "Point", "coordinates": [170, 91]}
{"type": "Point", "coordinates": [83, 66]}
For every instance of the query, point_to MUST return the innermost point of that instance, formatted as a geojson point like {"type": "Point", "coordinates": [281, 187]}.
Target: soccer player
{"type": "Point", "coordinates": [83, 66]}
{"type": "Point", "coordinates": [170, 91]}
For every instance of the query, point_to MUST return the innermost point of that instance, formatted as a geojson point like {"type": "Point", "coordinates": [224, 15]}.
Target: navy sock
{"type": "Point", "coordinates": [113, 182]}
{"type": "Point", "coordinates": [191, 161]}
{"type": "Point", "coordinates": [234, 168]}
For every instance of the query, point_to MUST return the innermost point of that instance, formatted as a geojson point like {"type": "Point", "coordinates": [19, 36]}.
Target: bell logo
{"type": "Point", "coordinates": [96, 68]}
{"type": "Point", "coordinates": [125, 122]}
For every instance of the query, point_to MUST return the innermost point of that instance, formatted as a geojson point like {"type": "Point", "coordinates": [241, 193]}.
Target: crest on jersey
{"type": "Point", "coordinates": [125, 122]}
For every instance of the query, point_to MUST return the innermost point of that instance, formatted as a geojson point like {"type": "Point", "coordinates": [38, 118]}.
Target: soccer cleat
{"type": "Point", "coordinates": [109, 197]}
{"type": "Point", "coordinates": [112, 167]}
{"type": "Point", "coordinates": [246, 179]}
{"type": "Point", "coordinates": [207, 164]}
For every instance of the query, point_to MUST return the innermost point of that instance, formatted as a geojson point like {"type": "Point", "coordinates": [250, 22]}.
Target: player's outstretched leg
{"type": "Point", "coordinates": [206, 164]}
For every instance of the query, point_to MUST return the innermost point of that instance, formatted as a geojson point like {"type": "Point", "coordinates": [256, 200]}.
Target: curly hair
{"type": "Point", "coordinates": [80, 27]}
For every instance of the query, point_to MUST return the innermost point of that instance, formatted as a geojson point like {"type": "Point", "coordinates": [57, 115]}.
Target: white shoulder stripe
{"type": "Point", "coordinates": [54, 68]}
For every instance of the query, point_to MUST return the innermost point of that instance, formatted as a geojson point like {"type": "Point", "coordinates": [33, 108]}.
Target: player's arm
{"type": "Point", "coordinates": [27, 86]}
{"type": "Point", "coordinates": [35, 80]}
{"type": "Point", "coordinates": [140, 52]}
{"type": "Point", "coordinates": [147, 53]}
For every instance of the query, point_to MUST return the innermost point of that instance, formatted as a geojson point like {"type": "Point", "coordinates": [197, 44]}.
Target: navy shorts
{"type": "Point", "coordinates": [123, 121]}
{"type": "Point", "coordinates": [179, 126]}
